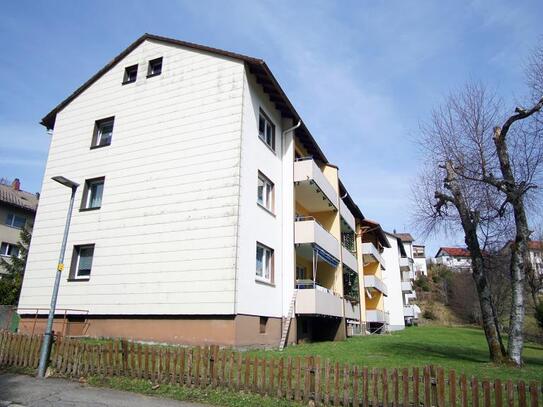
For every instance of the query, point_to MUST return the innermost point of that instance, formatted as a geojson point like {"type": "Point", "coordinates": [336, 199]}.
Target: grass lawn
{"type": "Point", "coordinates": [462, 349]}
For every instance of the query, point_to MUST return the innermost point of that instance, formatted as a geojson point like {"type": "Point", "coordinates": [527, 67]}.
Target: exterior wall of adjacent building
{"type": "Point", "coordinates": [166, 234]}
{"type": "Point", "coordinates": [393, 303]}
{"type": "Point", "coordinates": [454, 262]}
{"type": "Point", "coordinates": [10, 234]}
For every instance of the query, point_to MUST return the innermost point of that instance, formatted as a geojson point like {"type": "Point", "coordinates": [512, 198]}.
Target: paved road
{"type": "Point", "coordinates": [19, 390]}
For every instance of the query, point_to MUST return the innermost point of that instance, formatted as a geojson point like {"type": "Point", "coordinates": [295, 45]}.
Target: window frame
{"type": "Point", "coordinates": [262, 136]}
{"type": "Point", "coordinates": [151, 64]}
{"type": "Point", "coordinates": [268, 203]}
{"type": "Point", "coordinates": [12, 223]}
{"type": "Point", "coordinates": [8, 246]}
{"type": "Point", "coordinates": [86, 197]}
{"type": "Point", "coordinates": [97, 132]}
{"type": "Point", "coordinates": [76, 258]}
{"type": "Point", "coordinates": [127, 71]}
{"type": "Point", "coordinates": [268, 261]}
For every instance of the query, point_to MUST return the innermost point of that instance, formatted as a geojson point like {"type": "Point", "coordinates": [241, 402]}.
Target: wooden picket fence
{"type": "Point", "coordinates": [305, 380]}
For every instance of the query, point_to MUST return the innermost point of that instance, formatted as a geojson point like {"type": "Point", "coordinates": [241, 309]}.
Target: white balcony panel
{"type": "Point", "coordinates": [374, 282]}
{"type": "Point", "coordinates": [406, 264]}
{"type": "Point", "coordinates": [352, 311]}
{"type": "Point", "coordinates": [371, 254]}
{"type": "Point", "coordinates": [318, 302]}
{"type": "Point", "coordinates": [407, 287]}
{"type": "Point", "coordinates": [313, 190]}
{"type": "Point", "coordinates": [349, 259]}
{"type": "Point", "coordinates": [309, 231]}
{"type": "Point", "coordinates": [409, 311]}
{"type": "Point", "coordinates": [347, 216]}
{"type": "Point", "coordinates": [375, 316]}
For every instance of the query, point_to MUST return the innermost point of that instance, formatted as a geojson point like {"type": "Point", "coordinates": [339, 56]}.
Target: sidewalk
{"type": "Point", "coordinates": [19, 390]}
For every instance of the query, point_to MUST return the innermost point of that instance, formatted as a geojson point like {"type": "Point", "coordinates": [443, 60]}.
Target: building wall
{"type": "Point", "coordinates": [256, 224]}
{"type": "Point", "coordinates": [393, 303]}
{"type": "Point", "coordinates": [166, 234]}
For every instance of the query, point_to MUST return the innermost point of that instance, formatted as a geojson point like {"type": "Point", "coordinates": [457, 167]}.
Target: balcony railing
{"type": "Point", "coordinates": [407, 287]}
{"type": "Point", "coordinates": [346, 214]}
{"type": "Point", "coordinates": [406, 264]}
{"type": "Point", "coordinates": [318, 301]}
{"type": "Point", "coordinates": [308, 230]}
{"type": "Point", "coordinates": [409, 311]}
{"type": "Point", "coordinates": [375, 283]}
{"type": "Point", "coordinates": [349, 259]}
{"type": "Point", "coordinates": [352, 311]}
{"type": "Point", "coordinates": [375, 316]}
{"type": "Point", "coordinates": [371, 254]}
{"type": "Point", "coordinates": [313, 190]}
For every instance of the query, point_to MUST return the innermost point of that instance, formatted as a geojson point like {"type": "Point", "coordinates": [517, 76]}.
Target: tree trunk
{"type": "Point", "coordinates": [488, 312]}
{"type": "Point", "coordinates": [517, 267]}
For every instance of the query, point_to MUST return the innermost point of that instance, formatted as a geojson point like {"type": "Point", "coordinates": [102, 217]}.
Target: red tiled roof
{"type": "Point", "coordinates": [535, 245]}
{"type": "Point", "coordinates": [405, 237]}
{"type": "Point", "coordinates": [454, 251]}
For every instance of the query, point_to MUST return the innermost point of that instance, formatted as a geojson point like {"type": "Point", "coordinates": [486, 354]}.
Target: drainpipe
{"type": "Point", "coordinates": [292, 128]}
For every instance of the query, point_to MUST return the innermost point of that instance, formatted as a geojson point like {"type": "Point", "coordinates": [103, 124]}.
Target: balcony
{"type": "Point", "coordinates": [375, 283]}
{"type": "Point", "coordinates": [407, 287]}
{"type": "Point", "coordinates": [409, 311]}
{"type": "Point", "coordinates": [307, 231]}
{"type": "Point", "coordinates": [406, 264]}
{"type": "Point", "coordinates": [371, 254]}
{"type": "Point", "coordinates": [375, 316]}
{"type": "Point", "coordinates": [349, 259]}
{"type": "Point", "coordinates": [318, 301]}
{"type": "Point", "coordinates": [346, 215]}
{"type": "Point", "coordinates": [313, 191]}
{"type": "Point", "coordinates": [352, 311]}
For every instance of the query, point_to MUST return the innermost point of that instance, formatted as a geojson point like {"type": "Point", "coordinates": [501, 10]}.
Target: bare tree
{"type": "Point", "coordinates": [456, 141]}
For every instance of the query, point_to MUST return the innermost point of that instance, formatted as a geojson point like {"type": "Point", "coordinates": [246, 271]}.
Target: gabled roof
{"type": "Point", "coordinates": [374, 227]}
{"type": "Point", "coordinates": [21, 199]}
{"type": "Point", "coordinates": [453, 251]}
{"type": "Point", "coordinates": [256, 66]}
{"type": "Point", "coordinates": [405, 237]}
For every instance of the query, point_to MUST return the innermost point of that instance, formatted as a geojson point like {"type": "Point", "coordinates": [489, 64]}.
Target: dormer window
{"type": "Point", "coordinates": [130, 74]}
{"type": "Point", "coordinates": [155, 67]}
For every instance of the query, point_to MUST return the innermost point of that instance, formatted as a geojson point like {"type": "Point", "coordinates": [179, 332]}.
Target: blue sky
{"type": "Point", "coordinates": [360, 73]}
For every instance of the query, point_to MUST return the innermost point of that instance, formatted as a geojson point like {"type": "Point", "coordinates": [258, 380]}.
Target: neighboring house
{"type": "Point", "coordinates": [205, 205]}
{"type": "Point", "coordinates": [535, 250]}
{"type": "Point", "coordinates": [419, 260]}
{"type": "Point", "coordinates": [394, 302]}
{"type": "Point", "coordinates": [372, 243]}
{"type": "Point", "coordinates": [456, 258]}
{"type": "Point", "coordinates": [17, 210]}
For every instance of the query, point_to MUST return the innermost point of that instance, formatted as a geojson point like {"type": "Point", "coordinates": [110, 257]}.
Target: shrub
{"type": "Point", "coordinates": [422, 283]}
{"type": "Point", "coordinates": [429, 314]}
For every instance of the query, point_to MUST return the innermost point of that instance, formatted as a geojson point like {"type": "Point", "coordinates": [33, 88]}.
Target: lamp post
{"type": "Point", "coordinates": [46, 346]}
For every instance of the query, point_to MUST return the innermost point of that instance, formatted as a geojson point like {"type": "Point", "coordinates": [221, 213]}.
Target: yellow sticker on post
{"type": "Point", "coordinates": [60, 266]}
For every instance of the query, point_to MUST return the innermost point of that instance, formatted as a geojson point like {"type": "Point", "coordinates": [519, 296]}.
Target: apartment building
{"type": "Point", "coordinates": [17, 211]}
{"type": "Point", "coordinates": [419, 260]}
{"type": "Point", "coordinates": [206, 212]}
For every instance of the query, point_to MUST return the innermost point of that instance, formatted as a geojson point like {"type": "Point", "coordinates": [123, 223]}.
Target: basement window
{"type": "Point", "coordinates": [155, 67]}
{"type": "Point", "coordinates": [263, 324]}
{"type": "Point", "coordinates": [130, 74]}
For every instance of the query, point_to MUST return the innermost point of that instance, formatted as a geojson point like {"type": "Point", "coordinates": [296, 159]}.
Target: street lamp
{"type": "Point", "coordinates": [46, 346]}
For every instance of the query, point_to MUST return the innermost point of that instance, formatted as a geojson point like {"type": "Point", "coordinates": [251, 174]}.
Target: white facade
{"type": "Point", "coordinates": [393, 302]}
{"type": "Point", "coordinates": [167, 233]}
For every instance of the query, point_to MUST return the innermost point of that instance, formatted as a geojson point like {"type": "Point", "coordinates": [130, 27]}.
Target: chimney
{"type": "Point", "coordinates": [16, 184]}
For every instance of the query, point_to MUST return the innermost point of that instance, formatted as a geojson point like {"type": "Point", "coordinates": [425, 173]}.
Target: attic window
{"type": "Point", "coordinates": [155, 67]}
{"type": "Point", "coordinates": [130, 74]}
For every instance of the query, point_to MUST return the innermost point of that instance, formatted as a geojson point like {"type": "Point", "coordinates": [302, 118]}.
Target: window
{"type": "Point", "coordinates": [265, 192]}
{"type": "Point", "coordinates": [103, 130]}
{"type": "Point", "coordinates": [263, 324]}
{"type": "Point", "coordinates": [9, 249]}
{"type": "Point", "coordinates": [15, 221]}
{"type": "Point", "coordinates": [155, 67]}
{"type": "Point", "coordinates": [266, 130]}
{"type": "Point", "coordinates": [92, 194]}
{"type": "Point", "coordinates": [130, 74]}
{"type": "Point", "coordinates": [264, 263]}
{"type": "Point", "coordinates": [82, 262]}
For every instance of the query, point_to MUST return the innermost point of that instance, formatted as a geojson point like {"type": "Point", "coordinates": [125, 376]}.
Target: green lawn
{"type": "Point", "coordinates": [462, 349]}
